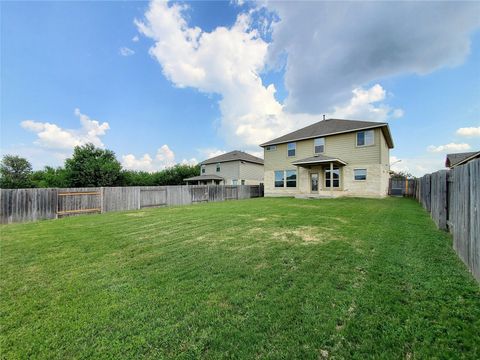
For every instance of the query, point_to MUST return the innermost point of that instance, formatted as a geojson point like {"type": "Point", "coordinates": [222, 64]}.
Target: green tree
{"type": "Point", "coordinates": [401, 175]}
{"type": "Point", "coordinates": [92, 166]}
{"type": "Point", "coordinates": [50, 177]}
{"type": "Point", "coordinates": [15, 172]}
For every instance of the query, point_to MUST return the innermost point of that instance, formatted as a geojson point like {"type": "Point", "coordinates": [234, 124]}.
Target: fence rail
{"type": "Point", "coordinates": [453, 199]}
{"type": "Point", "coordinates": [22, 205]}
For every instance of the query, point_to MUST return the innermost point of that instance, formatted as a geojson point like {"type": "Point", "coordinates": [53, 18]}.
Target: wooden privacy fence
{"type": "Point", "coordinates": [453, 199]}
{"type": "Point", "coordinates": [21, 205]}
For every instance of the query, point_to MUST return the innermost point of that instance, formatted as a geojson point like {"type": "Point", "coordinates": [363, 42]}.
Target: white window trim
{"type": "Point", "coordinates": [217, 167]}
{"type": "Point", "coordinates": [271, 148]}
{"type": "Point", "coordinates": [364, 131]}
{"type": "Point", "coordinates": [285, 179]}
{"type": "Point", "coordinates": [275, 180]}
{"type": "Point", "coordinates": [292, 156]}
{"type": "Point", "coordinates": [366, 174]}
{"type": "Point", "coordinates": [323, 152]}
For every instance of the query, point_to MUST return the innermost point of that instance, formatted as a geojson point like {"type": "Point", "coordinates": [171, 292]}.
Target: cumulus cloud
{"type": "Point", "coordinates": [125, 51]}
{"type": "Point", "coordinates": [135, 38]}
{"type": "Point", "coordinates": [54, 137]}
{"type": "Point", "coordinates": [228, 61]}
{"type": "Point", "coordinates": [469, 131]}
{"type": "Point", "coordinates": [451, 147]}
{"type": "Point", "coordinates": [330, 48]}
{"type": "Point", "coordinates": [366, 104]}
{"type": "Point", "coordinates": [208, 153]}
{"type": "Point", "coordinates": [164, 158]}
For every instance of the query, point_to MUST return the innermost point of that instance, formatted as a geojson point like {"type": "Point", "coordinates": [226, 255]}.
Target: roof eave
{"type": "Point", "coordinates": [380, 125]}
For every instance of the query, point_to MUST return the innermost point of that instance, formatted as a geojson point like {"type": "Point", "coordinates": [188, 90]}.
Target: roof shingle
{"type": "Point", "coordinates": [233, 156]}
{"type": "Point", "coordinates": [330, 127]}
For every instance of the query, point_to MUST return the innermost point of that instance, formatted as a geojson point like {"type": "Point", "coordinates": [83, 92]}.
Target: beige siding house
{"type": "Point", "coordinates": [233, 168]}
{"type": "Point", "coordinates": [330, 158]}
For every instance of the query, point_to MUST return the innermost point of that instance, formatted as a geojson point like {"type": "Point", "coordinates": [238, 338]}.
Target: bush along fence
{"type": "Point", "coordinates": [453, 199]}
{"type": "Point", "coordinates": [22, 205]}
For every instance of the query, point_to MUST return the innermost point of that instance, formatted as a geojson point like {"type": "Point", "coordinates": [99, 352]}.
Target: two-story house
{"type": "Point", "coordinates": [233, 168]}
{"type": "Point", "coordinates": [329, 158]}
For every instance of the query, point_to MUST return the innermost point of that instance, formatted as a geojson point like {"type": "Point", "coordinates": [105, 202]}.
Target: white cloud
{"type": "Point", "coordinates": [163, 159]}
{"type": "Point", "coordinates": [469, 131]}
{"type": "Point", "coordinates": [419, 165]}
{"type": "Point", "coordinates": [208, 153]}
{"type": "Point", "coordinates": [362, 106]}
{"type": "Point", "coordinates": [451, 147]}
{"type": "Point", "coordinates": [229, 61]}
{"type": "Point", "coordinates": [135, 38]}
{"type": "Point", "coordinates": [190, 162]}
{"type": "Point", "coordinates": [125, 51]}
{"type": "Point", "coordinates": [54, 137]}
{"type": "Point", "coordinates": [330, 48]}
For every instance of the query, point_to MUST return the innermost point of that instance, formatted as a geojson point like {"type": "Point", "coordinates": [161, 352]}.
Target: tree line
{"type": "Point", "coordinates": [88, 166]}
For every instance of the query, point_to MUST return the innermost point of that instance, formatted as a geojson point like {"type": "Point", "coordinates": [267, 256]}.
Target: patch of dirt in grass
{"type": "Point", "coordinates": [261, 219]}
{"type": "Point", "coordinates": [307, 234]}
{"type": "Point", "coordinates": [136, 214]}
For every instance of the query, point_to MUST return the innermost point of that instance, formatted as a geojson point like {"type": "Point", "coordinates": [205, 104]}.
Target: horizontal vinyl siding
{"type": "Point", "coordinates": [344, 146]}
{"type": "Point", "coordinates": [250, 171]}
{"type": "Point", "coordinates": [228, 170]}
{"type": "Point", "coordinates": [341, 146]}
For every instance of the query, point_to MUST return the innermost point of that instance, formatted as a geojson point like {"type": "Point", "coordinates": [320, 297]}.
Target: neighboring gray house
{"type": "Point", "coordinates": [233, 168]}
{"type": "Point", "coordinates": [460, 158]}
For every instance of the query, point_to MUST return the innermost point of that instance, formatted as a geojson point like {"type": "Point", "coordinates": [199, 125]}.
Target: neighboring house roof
{"type": "Point", "coordinates": [233, 156]}
{"type": "Point", "coordinates": [460, 158]}
{"type": "Point", "coordinates": [318, 159]}
{"type": "Point", "coordinates": [332, 127]}
{"type": "Point", "coordinates": [204, 177]}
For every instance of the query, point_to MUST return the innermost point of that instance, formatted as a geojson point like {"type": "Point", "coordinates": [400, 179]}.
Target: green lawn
{"type": "Point", "coordinates": [259, 278]}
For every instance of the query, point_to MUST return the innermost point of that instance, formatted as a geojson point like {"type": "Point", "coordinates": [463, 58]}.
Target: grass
{"type": "Point", "coordinates": [259, 278]}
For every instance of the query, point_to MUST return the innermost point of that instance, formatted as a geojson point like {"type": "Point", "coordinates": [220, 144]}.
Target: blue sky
{"type": "Point", "coordinates": [166, 83]}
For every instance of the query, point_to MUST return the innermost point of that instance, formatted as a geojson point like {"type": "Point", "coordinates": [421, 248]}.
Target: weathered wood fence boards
{"type": "Point", "coordinates": [453, 199]}
{"type": "Point", "coordinates": [28, 204]}
{"type": "Point", "coordinates": [464, 214]}
{"type": "Point", "coordinates": [21, 205]}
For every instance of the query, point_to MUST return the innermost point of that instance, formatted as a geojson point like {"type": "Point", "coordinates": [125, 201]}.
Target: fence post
{"type": "Point", "coordinates": [101, 200]}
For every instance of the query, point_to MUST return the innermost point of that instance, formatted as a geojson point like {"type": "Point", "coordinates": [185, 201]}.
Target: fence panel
{"type": "Point", "coordinates": [439, 198]}
{"type": "Point", "coordinates": [21, 205]}
{"type": "Point", "coordinates": [199, 193]}
{"type": "Point", "coordinates": [474, 259]}
{"type": "Point", "coordinates": [76, 201]}
{"type": "Point", "coordinates": [121, 198]}
{"type": "Point", "coordinates": [152, 196]}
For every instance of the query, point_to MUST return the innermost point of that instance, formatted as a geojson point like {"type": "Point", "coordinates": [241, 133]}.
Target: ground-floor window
{"type": "Point", "coordinates": [279, 179]}
{"type": "Point", "coordinates": [291, 178]}
{"type": "Point", "coordinates": [336, 177]}
{"type": "Point", "coordinates": [360, 174]}
{"type": "Point", "coordinates": [234, 182]}
{"type": "Point", "coordinates": [286, 178]}
{"type": "Point", "coordinates": [243, 182]}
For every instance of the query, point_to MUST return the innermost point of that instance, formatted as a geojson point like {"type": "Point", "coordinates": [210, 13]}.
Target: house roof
{"type": "Point", "coordinates": [332, 127]}
{"type": "Point", "coordinates": [453, 160]}
{"type": "Point", "coordinates": [318, 159]}
{"type": "Point", "coordinates": [203, 177]}
{"type": "Point", "coordinates": [233, 156]}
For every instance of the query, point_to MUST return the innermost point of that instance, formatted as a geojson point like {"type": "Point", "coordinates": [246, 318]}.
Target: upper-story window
{"type": "Point", "coordinates": [291, 149]}
{"type": "Point", "coordinates": [319, 144]}
{"type": "Point", "coordinates": [218, 167]}
{"type": "Point", "coordinates": [271, 148]}
{"type": "Point", "coordinates": [365, 138]}
{"type": "Point", "coordinates": [203, 169]}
